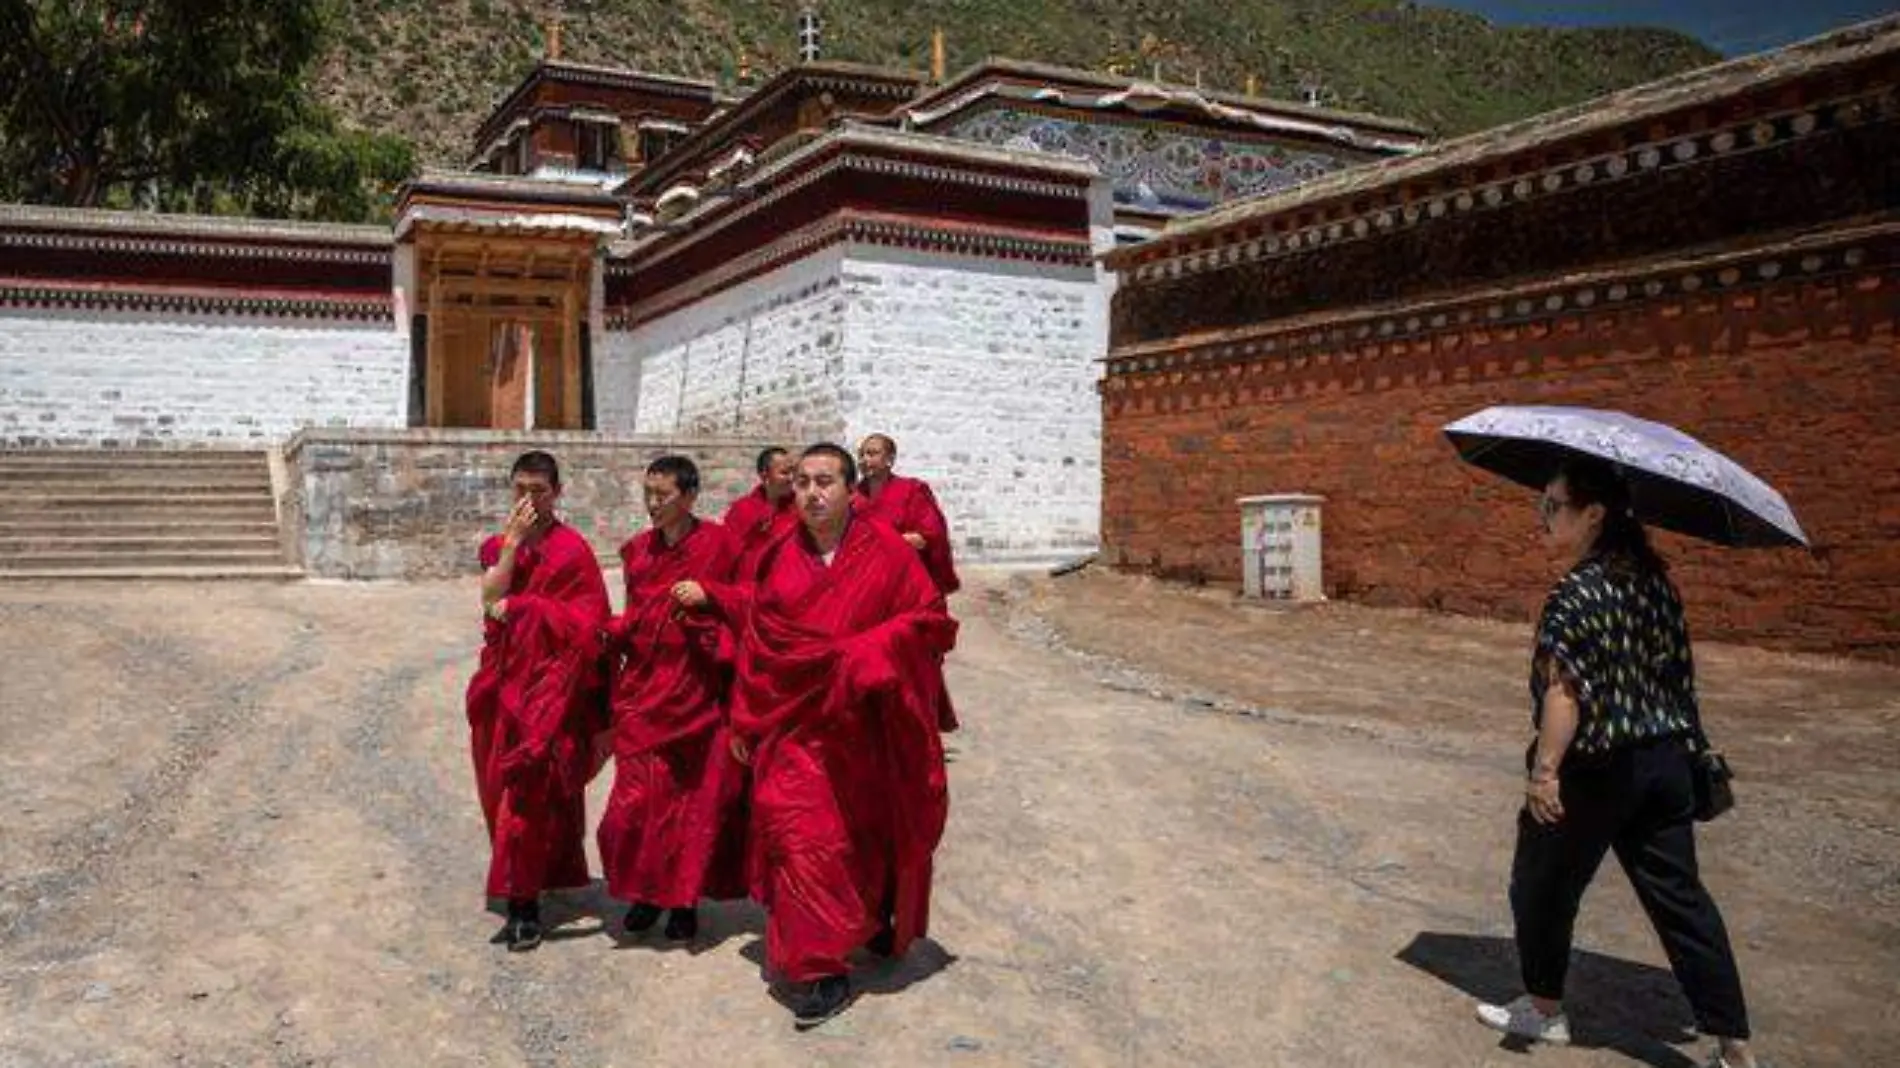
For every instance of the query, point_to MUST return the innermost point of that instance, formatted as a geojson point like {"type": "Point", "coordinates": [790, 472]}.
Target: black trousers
{"type": "Point", "coordinates": [1639, 802]}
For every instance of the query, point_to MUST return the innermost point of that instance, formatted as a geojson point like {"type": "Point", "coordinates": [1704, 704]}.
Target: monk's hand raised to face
{"type": "Point", "coordinates": [689, 593]}
{"type": "Point", "coordinates": [520, 521]}
{"type": "Point", "coordinates": [916, 540]}
{"type": "Point", "coordinates": [739, 751]}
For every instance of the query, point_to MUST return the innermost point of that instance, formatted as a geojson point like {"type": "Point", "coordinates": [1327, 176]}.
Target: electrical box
{"type": "Point", "coordinates": [1280, 547]}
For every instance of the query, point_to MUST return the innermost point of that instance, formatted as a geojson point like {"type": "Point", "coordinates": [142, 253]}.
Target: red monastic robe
{"type": "Point", "coordinates": [837, 693]}
{"type": "Point", "coordinates": [910, 508]}
{"type": "Point", "coordinates": [673, 830]}
{"type": "Point", "coordinates": [908, 505]}
{"type": "Point", "coordinates": [533, 705]}
{"type": "Point", "coordinates": [755, 522]}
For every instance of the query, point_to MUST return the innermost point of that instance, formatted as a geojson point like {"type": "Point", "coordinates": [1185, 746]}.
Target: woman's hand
{"type": "Point", "coordinates": [1542, 795]}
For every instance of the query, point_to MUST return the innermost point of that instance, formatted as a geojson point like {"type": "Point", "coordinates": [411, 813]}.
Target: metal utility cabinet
{"type": "Point", "coordinates": [1280, 547]}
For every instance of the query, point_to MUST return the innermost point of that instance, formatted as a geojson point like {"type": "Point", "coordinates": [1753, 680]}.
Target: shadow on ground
{"type": "Point", "coordinates": [870, 975]}
{"type": "Point", "coordinates": [1634, 1009]}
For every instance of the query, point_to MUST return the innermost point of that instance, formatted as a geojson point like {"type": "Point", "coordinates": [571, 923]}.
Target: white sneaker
{"type": "Point", "coordinates": [1522, 1019]}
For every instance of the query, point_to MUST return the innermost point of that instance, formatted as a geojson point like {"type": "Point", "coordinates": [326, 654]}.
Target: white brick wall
{"type": "Point", "coordinates": [985, 374]}
{"type": "Point", "coordinates": [759, 359]}
{"type": "Point", "coordinates": [102, 378]}
{"type": "Point", "coordinates": [983, 370]}
{"type": "Point", "coordinates": [616, 379]}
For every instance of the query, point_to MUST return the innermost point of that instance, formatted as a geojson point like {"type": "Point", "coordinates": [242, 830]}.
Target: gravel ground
{"type": "Point", "coordinates": [1183, 831]}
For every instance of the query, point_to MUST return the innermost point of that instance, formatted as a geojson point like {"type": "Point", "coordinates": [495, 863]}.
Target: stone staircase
{"type": "Point", "coordinates": [138, 514]}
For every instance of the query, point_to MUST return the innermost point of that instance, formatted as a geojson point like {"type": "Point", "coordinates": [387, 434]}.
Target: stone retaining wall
{"type": "Point", "coordinates": [417, 503]}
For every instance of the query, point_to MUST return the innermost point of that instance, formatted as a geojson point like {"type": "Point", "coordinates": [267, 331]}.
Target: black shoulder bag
{"type": "Point", "coordinates": [1711, 774]}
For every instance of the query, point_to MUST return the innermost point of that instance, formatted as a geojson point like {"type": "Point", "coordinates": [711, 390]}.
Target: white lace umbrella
{"type": "Point", "coordinates": [1676, 482]}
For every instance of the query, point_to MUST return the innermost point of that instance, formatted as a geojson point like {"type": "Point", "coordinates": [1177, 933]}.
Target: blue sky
{"type": "Point", "coordinates": [1733, 27]}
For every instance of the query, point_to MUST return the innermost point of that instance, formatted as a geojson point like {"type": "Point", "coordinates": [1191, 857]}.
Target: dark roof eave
{"type": "Point", "coordinates": [1003, 66]}
{"type": "Point", "coordinates": [1761, 74]}
{"type": "Point", "coordinates": [507, 187]}
{"type": "Point", "coordinates": [653, 179]}
{"type": "Point", "coordinates": [569, 71]}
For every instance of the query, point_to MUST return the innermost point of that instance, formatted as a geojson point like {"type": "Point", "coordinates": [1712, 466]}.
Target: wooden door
{"type": "Point", "coordinates": [466, 392]}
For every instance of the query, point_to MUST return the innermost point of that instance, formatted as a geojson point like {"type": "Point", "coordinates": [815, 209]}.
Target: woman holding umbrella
{"type": "Point", "coordinates": [1612, 767]}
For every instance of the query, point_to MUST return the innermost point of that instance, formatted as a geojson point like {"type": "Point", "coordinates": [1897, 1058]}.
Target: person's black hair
{"type": "Point", "coordinates": [845, 460]}
{"type": "Point", "coordinates": [1622, 541]}
{"type": "Point", "coordinates": [682, 470]}
{"type": "Point", "coordinates": [537, 462]}
{"type": "Point", "coordinates": [766, 456]}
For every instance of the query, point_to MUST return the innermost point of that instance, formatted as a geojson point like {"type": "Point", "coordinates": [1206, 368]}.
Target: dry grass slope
{"type": "Point", "coordinates": [430, 69]}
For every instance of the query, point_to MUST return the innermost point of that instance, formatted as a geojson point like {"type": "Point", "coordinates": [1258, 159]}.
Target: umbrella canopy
{"type": "Point", "coordinates": [1676, 482]}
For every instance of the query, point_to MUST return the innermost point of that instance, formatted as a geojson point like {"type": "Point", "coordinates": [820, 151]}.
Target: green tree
{"type": "Point", "coordinates": [199, 104]}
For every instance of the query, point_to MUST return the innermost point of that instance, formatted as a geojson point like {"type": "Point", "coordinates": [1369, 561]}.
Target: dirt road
{"type": "Point", "coordinates": [240, 829]}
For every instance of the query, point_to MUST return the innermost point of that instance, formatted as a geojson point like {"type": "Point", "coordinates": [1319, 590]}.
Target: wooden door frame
{"type": "Point", "coordinates": [492, 275]}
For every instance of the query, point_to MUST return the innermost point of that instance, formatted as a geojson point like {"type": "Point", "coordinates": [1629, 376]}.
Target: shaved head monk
{"type": "Point", "coordinates": [768, 510]}
{"type": "Point", "coordinates": [835, 706]}
{"type": "Point", "coordinates": [911, 509]}
{"type": "Point", "coordinates": [672, 832]}
{"type": "Point", "coordinates": [908, 505]}
{"type": "Point", "coordinates": [534, 702]}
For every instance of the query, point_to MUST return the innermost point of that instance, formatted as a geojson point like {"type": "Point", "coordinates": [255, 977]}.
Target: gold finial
{"type": "Point", "coordinates": [745, 66]}
{"type": "Point", "coordinates": [1253, 85]}
{"type": "Point", "coordinates": [936, 55]}
{"type": "Point", "coordinates": [554, 40]}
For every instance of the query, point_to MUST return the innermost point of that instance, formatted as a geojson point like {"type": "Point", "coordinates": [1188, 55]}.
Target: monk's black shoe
{"type": "Point", "coordinates": [641, 918]}
{"type": "Point", "coordinates": [522, 932]}
{"type": "Point", "coordinates": [682, 925]}
{"type": "Point", "coordinates": [523, 935]}
{"type": "Point", "coordinates": [827, 998]}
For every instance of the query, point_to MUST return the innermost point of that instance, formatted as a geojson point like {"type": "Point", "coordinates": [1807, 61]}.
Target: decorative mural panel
{"type": "Point", "coordinates": [1150, 166]}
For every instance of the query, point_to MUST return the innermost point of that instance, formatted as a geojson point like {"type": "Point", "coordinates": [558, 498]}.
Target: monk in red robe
{"type": "Point", "coordinates": [769, 510]}
{"type": "Point", "coordinates": [534, 702]}
{"type": "Point", "coordinates": [835, 705]}
{"type": "Point", "coordinates": [908, 505]}
{"type": "Point", "coordinates": [672, 832]}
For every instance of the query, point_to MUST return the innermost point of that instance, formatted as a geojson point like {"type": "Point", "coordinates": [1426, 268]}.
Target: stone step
{"type": "Point", "coordinates": [198, 518]}
{"type": "Point", "coordinates": [142, 573]}
{"type": "Point", "coordinates": [136, 459]}
{"type": "Point", "coordinates": [13, 544]}
{"type": "Point", "coordinates": [250, 477]}
{"type": "Point", "coordinates": [136, 455]}
{"type": "Point", "coordinates": [135, 466]}
{"type": "Point", "coordinates": [113, 525]}
{"type": "Point", "coordinates": [138, 514]}
{"type": "Point", "coordinates": [81, 558]}
{"type": "Point", "coordinates": [66, 500]}
{"type": "Point", "coordinates": [166, 490]}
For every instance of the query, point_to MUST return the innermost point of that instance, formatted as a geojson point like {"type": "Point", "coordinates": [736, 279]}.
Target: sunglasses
{"type": "Point", "coordinates": [1548, 507]}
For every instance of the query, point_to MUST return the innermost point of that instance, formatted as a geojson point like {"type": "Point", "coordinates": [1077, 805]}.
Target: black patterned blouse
{"type": "Point", "coordinates": [1621, 640]}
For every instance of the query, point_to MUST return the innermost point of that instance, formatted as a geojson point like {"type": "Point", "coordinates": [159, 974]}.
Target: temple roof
{"type": "Point", "coordinates": [509, 186]}
{"type": "Point", "coordinates": [1034, 170]}
{"type": "Point", "coordinates": [1636, 108]}
{"type": "Point", "coordinates": [1072, 87]}
{"type": "Point", "coordinates": [895, 84]}
{"type": "Point", "coordinates": [474, 200]}
{"type": "Point", "coordinates": [144, 225]}
{"type": "Point", "coordinates": [569, 72]}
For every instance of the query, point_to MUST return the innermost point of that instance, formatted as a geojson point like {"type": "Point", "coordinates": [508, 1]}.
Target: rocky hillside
{"type": "Point", "coordinates": [431, 69]}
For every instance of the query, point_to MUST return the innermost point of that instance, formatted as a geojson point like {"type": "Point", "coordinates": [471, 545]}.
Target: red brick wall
{"type": "Point", "coordinates": [1800, 383]}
